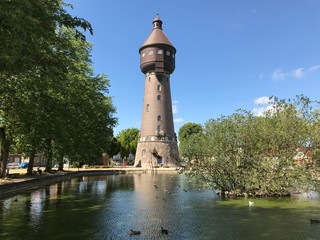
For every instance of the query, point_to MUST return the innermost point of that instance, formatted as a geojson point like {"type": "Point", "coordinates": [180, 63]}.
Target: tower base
{"type": "Point", "coordinates": [151, 154]}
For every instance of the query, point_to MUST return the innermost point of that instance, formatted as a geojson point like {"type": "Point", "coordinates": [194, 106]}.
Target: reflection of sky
{"type": "Point", "coordinates": [83, 185]}
{"type": "Point", "coordinates": [36, 208]}
{"type": "Point", "coordinates": [53, 192]}
{"type": "Point", "coordinates": [99, 187]}
{"type": "Point", "coordinates": [112, 205]}
{"type": "Point", "coordinates": [155, 200]}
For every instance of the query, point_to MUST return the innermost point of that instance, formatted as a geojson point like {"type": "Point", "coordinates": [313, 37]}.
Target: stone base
{"type": "Point", "coordinates": [167, 152]}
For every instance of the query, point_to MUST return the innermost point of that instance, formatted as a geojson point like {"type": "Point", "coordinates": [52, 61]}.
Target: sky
{"type": "Point", "coordinates": [230, 54]}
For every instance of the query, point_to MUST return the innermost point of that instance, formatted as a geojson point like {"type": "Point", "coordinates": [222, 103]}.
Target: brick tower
{"type": "Point", "coordinates": [157, 144]}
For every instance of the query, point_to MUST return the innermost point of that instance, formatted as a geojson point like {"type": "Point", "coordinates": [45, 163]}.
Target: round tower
{"type": "Point", "coordinates": [157, 144]}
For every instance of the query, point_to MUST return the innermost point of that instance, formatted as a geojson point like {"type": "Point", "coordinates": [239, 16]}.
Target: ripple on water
{"type": "Point", "coordinates": [109, 206]}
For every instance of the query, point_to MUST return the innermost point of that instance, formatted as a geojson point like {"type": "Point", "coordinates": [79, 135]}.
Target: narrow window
{"type": "Point", "coordinates": [143, 152]}
{"type": "Point", "coordinates": [159, 97]}
{"type": "Point", "coordinates": [143, 54]}
{"type": "Point", "coordinates": [168, 53]}
{"type": "Point", "coordinates": [149, 78]}
{"type": "Point", "coordinates": [147, 108]}
{"type": "Point", "coordinates": [159, 87]}
{"type": "Point", "coordinates": [158, 129]}
{"type": "Point", "coordinates": [150, 52]}
{"type": "Point", "coordinates": [159, 118]}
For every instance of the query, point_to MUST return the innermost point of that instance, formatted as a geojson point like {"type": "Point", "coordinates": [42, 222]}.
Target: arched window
{"type": "Point", "coordinates": [159, 87]}
{"type": "Point", "coordinates": [149, 78]}
{"type": "Point", "coordinates": [158, 129]}
{"type": "Point", "coordinates": [168, 53]}
{"type": "Point", "coordinates": [160, 51]}
{"type": "Point", "coordinates": [150, 52]}
{"type": "Point", "coordinates": [143, 54]}
{"type": "Point", "coordinates": [147, 107]}
{"type": "Point", "coordinates": [143, 152]}
{"type": "Point", "coordinates": [159, 118]}
{"type": "Point", "coordinates": [159, 97]}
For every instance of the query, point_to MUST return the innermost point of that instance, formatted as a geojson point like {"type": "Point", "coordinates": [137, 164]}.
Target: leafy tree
{"type": "Point", "coordinates": [185, 137]}
{"type": "Point", "coordinates": [195, 147]}
{"type": "Point", "coordinates": [187, 130]}
{"type": "Point", "coordinates": [27, 32]}
{"type": "Point", "coordinates": [128, 139]}
{"type": "Point", "coordinates": [86, 129]}
{"type": "Point", "coordinates": [49, 96]}
{"type": "Point", "coordinates": [246, 154]}
{"type": "Point", "coordinates": [113, 148]}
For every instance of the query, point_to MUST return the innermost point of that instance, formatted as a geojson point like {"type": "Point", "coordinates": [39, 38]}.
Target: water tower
{"type": "Point", "coordinates": [157, 144]}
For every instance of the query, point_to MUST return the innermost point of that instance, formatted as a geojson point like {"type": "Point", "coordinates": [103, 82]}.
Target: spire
{"type": "Point", "coordinates": [157, 36]}
{"type": "Point", "coordinates": [157, 23]}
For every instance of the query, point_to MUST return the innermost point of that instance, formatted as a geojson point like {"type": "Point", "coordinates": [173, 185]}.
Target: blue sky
{"type": "Point", "coordinates": [230, 54]}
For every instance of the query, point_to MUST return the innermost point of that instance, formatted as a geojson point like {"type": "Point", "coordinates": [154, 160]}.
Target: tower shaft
{"type": "Point", "coordinates": [157, 143]}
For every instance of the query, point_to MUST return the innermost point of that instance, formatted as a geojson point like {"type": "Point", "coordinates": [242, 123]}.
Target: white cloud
{"type": "Point", "coordinates": [298, 73]}
{"type": "Point", "coordinates": [314, 68]}
{"type": "Point", "coordinates": [301, 72]}
{"type": "Point", "coordinates": [262, 100]}
{"type": "Point", "coordinates": [260, 111]}
{"type": "Point", "coordinates": [175, 106]}
{"type": "Point", "coordinates": [278, 75]}
{"type": "Point", "coordinates": [264, 104]}
{"type": "Point", "coordinates": [178, 120]}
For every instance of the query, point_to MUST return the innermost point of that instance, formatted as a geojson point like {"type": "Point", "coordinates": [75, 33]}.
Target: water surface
{"type": "Point", "coordinates": [107, 207]}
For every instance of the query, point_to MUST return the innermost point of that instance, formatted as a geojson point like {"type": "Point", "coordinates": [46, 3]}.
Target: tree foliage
{"type": "Point", "coordinates": [187, 130]}
{"type": "Point", "coordinates": [50, 99]}
{"type": "Point", "coordinates": [28, 32]}
{"type": "Point", "coordinates": [268, 155]}
{"type": "Point", "coordinates": [128, 139]}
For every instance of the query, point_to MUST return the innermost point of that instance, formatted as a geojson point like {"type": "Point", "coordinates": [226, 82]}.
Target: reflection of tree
{"type": "Point", "coordinates": [120, 182]}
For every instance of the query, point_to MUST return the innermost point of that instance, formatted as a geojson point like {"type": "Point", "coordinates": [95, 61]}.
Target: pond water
{"type": "Point", "coordinates": [107, 207]}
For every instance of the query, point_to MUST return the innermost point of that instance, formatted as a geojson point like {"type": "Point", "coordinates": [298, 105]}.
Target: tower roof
{"type": "Point", "coordinates": [157, 36]}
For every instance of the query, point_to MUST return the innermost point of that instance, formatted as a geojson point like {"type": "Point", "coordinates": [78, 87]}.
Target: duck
{"type": "Point", "coordinates": [314, 221]}
{"type": "Point", "coordinates": [164, 231]}
{"type": "Point", "coordinates": [134, 232]}
{"type": "Point", "coordinates": [251, 203]}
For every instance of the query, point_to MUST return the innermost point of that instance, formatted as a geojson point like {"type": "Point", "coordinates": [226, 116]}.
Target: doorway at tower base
{"type": "Point", "coordinates": [157, 154]}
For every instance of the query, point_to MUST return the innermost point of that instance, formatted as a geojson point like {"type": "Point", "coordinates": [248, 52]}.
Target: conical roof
{"type": "Point", "coordinates": [157, 36]}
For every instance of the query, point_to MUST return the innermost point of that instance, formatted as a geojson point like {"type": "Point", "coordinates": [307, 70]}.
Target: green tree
{"type": "Point", "coordinates": [258, 155]}
{"type": "Point", "coordinates": [85, 130]}
{"type": "Point", "coordinates": [185, 133]}
{"type": "Point", "coordinates": [49, 96]}
{"type": "Point", "coordinates": [27, 32]}
{"type": "Point", "coordinates": [128, 139]}
{"type": "Point", "coordinates": [195, 147]}
{"type": "Point", "coordinates": [29, 46]}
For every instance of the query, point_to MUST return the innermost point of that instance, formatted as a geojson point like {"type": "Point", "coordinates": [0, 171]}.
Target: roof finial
{"type": "Point", "coordinates": [157, 23]}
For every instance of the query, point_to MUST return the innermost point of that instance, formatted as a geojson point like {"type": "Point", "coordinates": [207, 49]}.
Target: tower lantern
{"type": "Point", "coordinates": [157, 143]}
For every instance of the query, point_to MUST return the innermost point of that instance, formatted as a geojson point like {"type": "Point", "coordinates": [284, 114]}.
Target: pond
{"type": "Point", "coordinates": [107, 207]}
